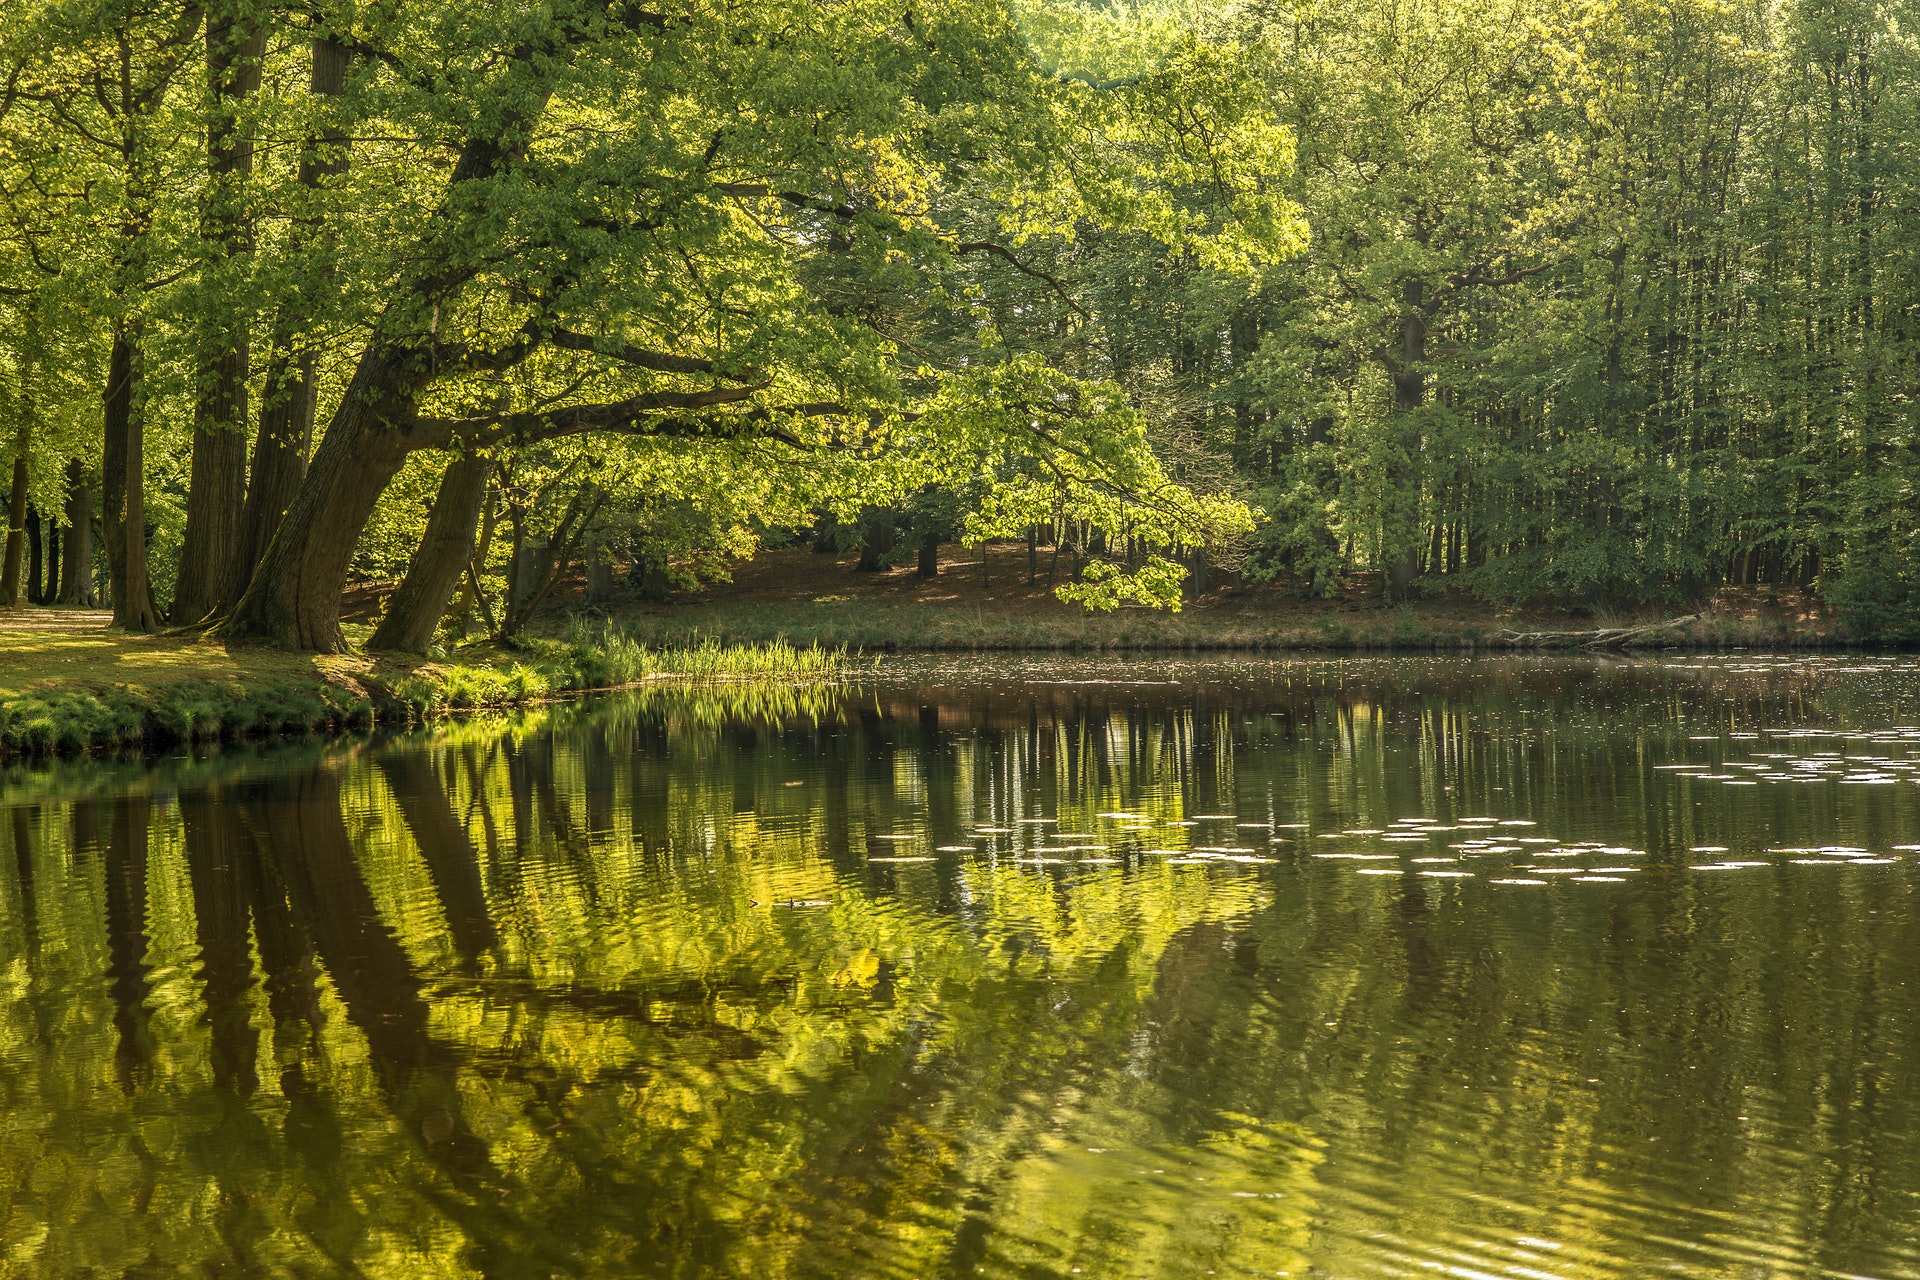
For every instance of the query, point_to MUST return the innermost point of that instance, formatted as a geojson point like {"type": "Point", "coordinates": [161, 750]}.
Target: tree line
{"type": "Point", "coordinates": [1571, 299]}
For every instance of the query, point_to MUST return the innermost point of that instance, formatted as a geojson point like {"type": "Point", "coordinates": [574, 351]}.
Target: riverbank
{"type": "Point", "coordinates": [819, 599]}
{"type": "Point", "coordinates": [69, 684]}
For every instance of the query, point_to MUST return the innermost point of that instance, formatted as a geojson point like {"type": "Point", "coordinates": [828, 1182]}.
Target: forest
{"type": "Point", "coordinates": [1529, 300]}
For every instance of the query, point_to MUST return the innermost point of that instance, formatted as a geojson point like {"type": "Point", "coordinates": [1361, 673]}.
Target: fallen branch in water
{"type": "Point", "coordinates": [1598, 638]}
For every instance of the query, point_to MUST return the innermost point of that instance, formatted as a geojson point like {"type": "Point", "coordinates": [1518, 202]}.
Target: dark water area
{"type": "Point", "coordinates": [1306, 967]}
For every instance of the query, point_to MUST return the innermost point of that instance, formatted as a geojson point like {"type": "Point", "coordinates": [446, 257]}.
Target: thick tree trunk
{"type": "Point", "coordinates": [876, 540]}
{"type": "Point", "coordinates": [216, 495]}
{"type": "Point", "coordinates": [123, 486]}
{"type": "Point", "coordinates": [929, 556]}
{"type": "Point", "coordinates": [16, 527]}
{"type": "Point", "coordinates": [288, 403]}
{"type": "Point", "coordinates": [217, 490]}
{"type": "Point", "coordinates": [293, 600]}
{"type": "Point", "coordinates": [414, 613]}
{"type": "Point", "coordinates": [76, 586]}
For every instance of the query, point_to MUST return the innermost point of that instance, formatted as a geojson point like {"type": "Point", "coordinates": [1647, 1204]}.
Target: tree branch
{"type": "Point", "coordinates": [1006, 255]}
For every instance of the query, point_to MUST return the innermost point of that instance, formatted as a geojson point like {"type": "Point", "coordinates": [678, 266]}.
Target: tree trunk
{"type": "Point", "coordinates": [1409, 394]}
{"type": "Point", "coordinates": [35, 595]}
{"type": "Point", "coordinates": [414, 613]}
{"type": "Point", "coordinates": [929, 556]}
{"type": "Point", "coordinates": [599, 577]}
{"type": "Point", "coordinates": [76, 586]}
{"type": "Point", "coordinates": [50, 589]}
{"type": "Point", "coordinates": [876, 539]}
{"type": "Point", "coordinates": [826, 532]}
{"type": "Point", "coordinates": [287, 405]}
{"type": "Point", "coordinates": [16, 527]}
{"type": "Point", "coordinates": [217, 489]}
{"type": "Point", "coordinates": [655, 586]}
{"type": "Point", "coordinates": [123, 485]}
{"type": "Point", "coordinates": [293, 600]}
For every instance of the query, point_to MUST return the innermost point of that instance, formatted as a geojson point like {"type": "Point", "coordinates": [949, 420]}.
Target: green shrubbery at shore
{"type": "Point", "coordinates": [65, 720]}
{"type": "Point", "coordinates": [81, 716]}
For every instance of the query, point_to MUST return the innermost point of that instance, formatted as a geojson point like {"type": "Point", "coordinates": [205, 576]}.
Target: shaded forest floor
{"type": "Point", "coordinates": [809, 597]}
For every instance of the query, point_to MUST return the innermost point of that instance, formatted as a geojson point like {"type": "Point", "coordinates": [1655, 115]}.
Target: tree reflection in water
{"type": "Point", "coordinates": [553, 996]}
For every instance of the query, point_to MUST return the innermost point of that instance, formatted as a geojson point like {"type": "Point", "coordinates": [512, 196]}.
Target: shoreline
{"type": "Point", "coordinates": [164, 690]}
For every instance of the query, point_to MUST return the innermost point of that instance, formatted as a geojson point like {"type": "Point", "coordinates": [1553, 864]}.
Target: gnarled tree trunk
{"type": "Point", "coordinates": [293, 600]}
{"type": "Point", "coordinates": [434, 571]}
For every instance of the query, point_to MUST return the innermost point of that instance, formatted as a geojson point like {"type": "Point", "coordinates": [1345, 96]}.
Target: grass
{"type": "Point", "coordinates": [67, 684]}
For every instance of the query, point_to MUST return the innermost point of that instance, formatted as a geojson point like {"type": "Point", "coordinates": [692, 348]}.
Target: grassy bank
{"type": "Point", "coordinates": [67, 684]}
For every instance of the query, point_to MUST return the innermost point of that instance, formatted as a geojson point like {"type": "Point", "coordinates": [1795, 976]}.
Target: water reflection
{"type": "Point", "coordinates": [1303, 968]}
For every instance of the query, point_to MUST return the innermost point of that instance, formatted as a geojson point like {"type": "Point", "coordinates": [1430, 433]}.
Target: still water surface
{"type": "Point", "coordinates": [1328, 968]}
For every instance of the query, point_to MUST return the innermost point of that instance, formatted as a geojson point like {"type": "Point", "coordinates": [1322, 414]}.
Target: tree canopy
{"type": "Point", "coordinates": [1558, 298]}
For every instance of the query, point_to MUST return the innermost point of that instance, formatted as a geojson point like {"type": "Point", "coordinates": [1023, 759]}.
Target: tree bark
{"type": "Point", "coordinates": [288, 404]}
{"type": "Point", "coordinates": [876, 539]}
{"type": "Point", "coordinates": [76, 584]}
{"type": "Point", "coordinates": [929, 556]}
{"type": "Point", "coordinates": [414, 613]}
{"type": "Point", "coordinates": [35, 594]}
{"type": "Point", "coordinates": [123, 485]}
{"type": "Point", "coordinates": [50, 589]}
{"type": "Point", "coordinates": [16, 526]}
{"type": "Point", "coordinates": [217, 489]}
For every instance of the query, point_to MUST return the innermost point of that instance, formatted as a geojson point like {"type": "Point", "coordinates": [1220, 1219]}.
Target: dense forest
{"type": "Point", "coordinates": [1541, 299]}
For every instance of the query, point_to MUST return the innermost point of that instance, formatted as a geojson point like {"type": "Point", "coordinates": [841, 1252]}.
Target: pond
{"type": "Point", "coordinates": [1304, 967]}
